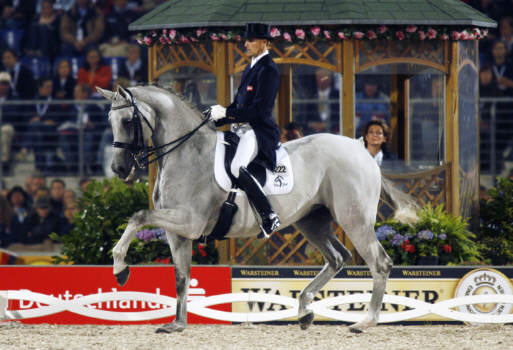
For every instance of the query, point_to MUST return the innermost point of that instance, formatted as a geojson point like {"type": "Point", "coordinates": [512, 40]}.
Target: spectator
{"type": "Point", "coordinates": [22, 79]}
{"type": "Point", "coordinates": [42, 35]}
{"type": "Point", "coordinates": [81, 27]}
{"type": "Point", "coordinates": [40, 223]}
{"type": "Point", "coordinates": [506, 35]}
{"type": "Point", "coordinates": [69, 197]}
{"type": "Point", "coordinates": [17, 14]}
{"type": "Point", "coordinates": [502, 69]}
{"type": "Point", "coordinates": [57, 188]}
{"type": "Point", "coordinates": [291, 131]}
{"type": "Point", "coordinates": [134, 69]}
{"type": "Point", "coordinates": [117, 21]}
{"type": "Point", "coordinates": [94, 72]}
{"type": "Point", "coordinates": [91, 120]}
{"type": "Point", "coordinates": [68, 221]}
{"type": "Point", "coordinates": [7, 236]}
{"type": "Point", "coordinates": [42, 191]}
{"type": "Point", "coordinates": [42, 135]}
{"type": "Point", "coordinates": [36, 182]}
{"type": "Point", "coordinates": [18, 199]}
{"type": "Point", "coordinates": [63, 81]}
{"type": "Point", "coordinates": [10, 119]}
{"type": "Point", "coordinates": [370, 104]}
{"type": "Point", "coordinates": [375, 137]}
{"type": "Point", "coordinates": [83, 183]}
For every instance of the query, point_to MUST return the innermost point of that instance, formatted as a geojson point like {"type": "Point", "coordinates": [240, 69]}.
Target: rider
{"type": "Point", "coordinates": [253, 104]}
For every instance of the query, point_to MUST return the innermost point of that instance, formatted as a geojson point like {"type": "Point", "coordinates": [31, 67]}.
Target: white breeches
{"type": "Point", "coordinates": [246, 151]}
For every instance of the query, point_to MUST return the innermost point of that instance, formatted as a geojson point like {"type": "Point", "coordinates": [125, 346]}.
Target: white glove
{"type": "Point", "coordinates": [217, 112]}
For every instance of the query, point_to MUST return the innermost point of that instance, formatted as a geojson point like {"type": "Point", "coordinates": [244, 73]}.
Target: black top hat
{"type": "Point", "coordinates": [257, 31]}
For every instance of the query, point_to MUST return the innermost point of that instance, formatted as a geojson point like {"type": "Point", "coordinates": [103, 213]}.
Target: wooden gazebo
{"type": "Point", "coordinates": [407, 44]}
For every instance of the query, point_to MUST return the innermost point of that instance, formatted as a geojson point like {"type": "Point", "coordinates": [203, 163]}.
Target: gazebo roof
{"type": "Point", "coordinates": [236, 13]}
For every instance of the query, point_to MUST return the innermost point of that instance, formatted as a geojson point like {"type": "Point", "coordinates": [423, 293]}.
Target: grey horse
{"type": "Point", "coordinates": [335, 180]}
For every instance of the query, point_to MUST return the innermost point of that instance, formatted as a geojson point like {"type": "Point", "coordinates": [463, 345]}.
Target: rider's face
{"type": "Point", "coordinates": [255, 47]}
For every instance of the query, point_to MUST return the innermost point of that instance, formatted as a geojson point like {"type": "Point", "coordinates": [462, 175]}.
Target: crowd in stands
{"type": "Point", "coordinates": [55, 50]}
{"type": "Point", "coordinates": [30, 213]}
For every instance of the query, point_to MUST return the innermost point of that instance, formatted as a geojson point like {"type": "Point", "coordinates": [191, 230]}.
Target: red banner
{"type": "Point", "coordinates": [150, 287]}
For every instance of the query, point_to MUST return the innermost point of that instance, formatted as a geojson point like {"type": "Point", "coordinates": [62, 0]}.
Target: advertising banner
{"type": "Point", "coordinates": [428, 285]}
{"type": "Point", "coordinates": [90, 294]}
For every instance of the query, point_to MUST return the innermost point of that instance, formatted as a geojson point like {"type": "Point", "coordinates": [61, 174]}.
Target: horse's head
{"type": "Point", "coordinates": [132, 124]}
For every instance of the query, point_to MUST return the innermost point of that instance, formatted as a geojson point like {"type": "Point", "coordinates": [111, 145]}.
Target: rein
{"type": "Point", "coordinates": [141, 153]}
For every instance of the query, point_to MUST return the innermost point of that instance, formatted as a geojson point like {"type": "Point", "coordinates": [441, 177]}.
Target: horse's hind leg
{"type": "Point", "coordinates": [317, 229]}
{"type": "Point", "coordinates": [364, 239]}
{"type": "Point", "coordinates": [181, 249]}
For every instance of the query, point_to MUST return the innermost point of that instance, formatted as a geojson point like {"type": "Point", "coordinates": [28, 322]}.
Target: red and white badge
{"type": "Point", "coordinates": [250, 88]}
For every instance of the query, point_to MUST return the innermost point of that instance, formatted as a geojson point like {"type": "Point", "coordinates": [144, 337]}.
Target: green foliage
{"type": "Point", "coordinates": [496, 231]}
{"type": "Point", "coordinates": [104, 210]}
{"type": "Point", "coordinates": [438, 237]}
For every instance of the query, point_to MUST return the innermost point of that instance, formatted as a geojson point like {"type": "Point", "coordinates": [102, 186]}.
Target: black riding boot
{"type": "Point", "coordinates": [255, 193]}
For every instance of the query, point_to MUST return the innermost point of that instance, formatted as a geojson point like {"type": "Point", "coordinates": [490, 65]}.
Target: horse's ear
{"type": "Point", "coordinates": [109, 95]}
{"type": "Point", "coordinates": [123, 93]}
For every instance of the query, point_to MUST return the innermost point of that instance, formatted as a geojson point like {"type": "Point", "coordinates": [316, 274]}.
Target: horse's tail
{"type": "Point", "coordinates": [405, 205]}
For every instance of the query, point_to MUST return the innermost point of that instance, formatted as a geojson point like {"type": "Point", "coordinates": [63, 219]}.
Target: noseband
{"type": "Point", "coordinates": [139, 151]}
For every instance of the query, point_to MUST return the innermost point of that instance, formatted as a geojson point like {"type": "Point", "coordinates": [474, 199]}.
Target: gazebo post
{"type": "Point", "coordinates": [452, 129]}
{"type": "Point", "coordinates": [348, 80]}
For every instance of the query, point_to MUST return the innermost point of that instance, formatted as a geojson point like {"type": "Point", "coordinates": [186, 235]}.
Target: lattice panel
{"type": "Point", "coordinates": [320, 54]}
{"type": "Point", "coordinates": [290, 247]}
{"type": "Point", "coordinates": [190, 55]}
{"type": "Point", "coordinates": [432, 53]}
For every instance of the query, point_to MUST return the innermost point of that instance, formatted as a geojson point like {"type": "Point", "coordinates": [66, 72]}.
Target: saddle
{"type": "Point", "coordinates": [277, 182]}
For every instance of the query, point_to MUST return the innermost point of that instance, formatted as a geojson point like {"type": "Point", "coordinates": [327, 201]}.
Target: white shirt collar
{"type": "Point", "coordinates": [379, 157]}
{"type": "Point", "coordinates": [254, 60]}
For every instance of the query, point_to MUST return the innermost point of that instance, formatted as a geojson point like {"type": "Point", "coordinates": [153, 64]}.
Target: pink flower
{"type": "Point", "coordinates": [224, 37]}
{"type": "Point", "coordinates": [399, 34]}
{"type": "Point", "coordinates": [422, 35]}
{"type": "Point", "coordinates": [162, 40]}
{"type": "Point", "coordinates": [300, 33]}
{"type": "Point", "coordinates": [484, 32]}
{"type": "Point", "coordinates": [464, 35]}
{"type": "Point", "coordinates": [147, 40]}
{"type": "Point", "coordinates": [153, 33]}
{"type": "Point", "coordinates": [341, 35]}
{"type": "Point", "coordinates": [471, 36]}
{"type": "Point", "coordinates": [193, 39]}
{"type": "Point", "coordinates": [140, 41]}
{"type": "Point", "coordinates": [372, 34]}
{"type": "Point", "coordinates": [172, 34]}
{"type": "Point", "coordinates": [455, 35]}
{"type": "Point", "coordinates": [411, 29]}
{"type": "Point", "coordinates": [382, 29]}
{"type": "Point", "coordinates": [199, 32]}
{"type": "Point", "coordinates": [237, 37]}
{"type": "Point", "coordinates": [164, 32]}
{"type": "Point", "coordinates": [431, 34]}
{"type": "Point", "coordinates": [287, 36]}
{"type": "Point", "coordinates": [444, 37]}
{"type": "Point", "coordinates": [275, 32]}
{"type": "Point", "coordinates": [214, 37]}
{"type": "Point", "coordinates": [358, 35]}
{"type": "Point", "coordinates": [183, 40]}
{"type": "Point", "coordinates": [168, 40]}
{"type": "Point", "coordinates": [327, 34]}
{"type": "Point", "coordinates": [316, 30]}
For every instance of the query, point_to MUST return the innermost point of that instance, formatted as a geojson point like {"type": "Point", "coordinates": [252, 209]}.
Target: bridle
{"type": "Point", "coordinates": [139, 151]}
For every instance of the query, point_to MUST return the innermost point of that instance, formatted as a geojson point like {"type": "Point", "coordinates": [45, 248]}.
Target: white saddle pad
{"type": "Point", "coordinates": [279, 182]}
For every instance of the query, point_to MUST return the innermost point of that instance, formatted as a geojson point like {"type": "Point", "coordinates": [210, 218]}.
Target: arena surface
{"type": "Point", "coordinates": [255, 337]}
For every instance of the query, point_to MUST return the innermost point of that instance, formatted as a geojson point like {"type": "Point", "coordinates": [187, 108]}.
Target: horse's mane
{"type": "Point", "coordinates": [169, 90]}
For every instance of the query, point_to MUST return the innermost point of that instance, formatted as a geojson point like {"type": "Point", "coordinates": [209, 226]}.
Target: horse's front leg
{"type": "Point", "coordinates": [178, 221]}
{"type": "Point", "coordinates": [181, 249]}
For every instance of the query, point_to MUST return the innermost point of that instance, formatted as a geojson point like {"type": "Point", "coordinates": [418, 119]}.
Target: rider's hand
{"type": "Point", "coordinates": [217, 112]}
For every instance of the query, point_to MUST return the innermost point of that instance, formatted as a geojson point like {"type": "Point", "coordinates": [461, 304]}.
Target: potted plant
{"type": "Point", "coordinates": [436, 238]}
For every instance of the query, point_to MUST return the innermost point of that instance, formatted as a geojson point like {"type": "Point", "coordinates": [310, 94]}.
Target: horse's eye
{"type": "Point", "coordinates": [126, 122]}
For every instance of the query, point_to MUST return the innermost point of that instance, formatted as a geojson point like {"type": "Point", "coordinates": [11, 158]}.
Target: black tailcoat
{"type": "Point", "coordinates": [254, 103]}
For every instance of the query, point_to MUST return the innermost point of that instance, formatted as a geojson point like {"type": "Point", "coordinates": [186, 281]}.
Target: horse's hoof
{"type": "Point", "coordinates": [306, 320]}
{"type": "Point", "coordinates": [122, 277]}
{"type": "Point", "coordinates": [170, 328]}
{"type": "Point", "coordinates": [355, 330]}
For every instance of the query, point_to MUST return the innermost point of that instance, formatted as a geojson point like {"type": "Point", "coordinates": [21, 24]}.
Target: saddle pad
{"type": "Point", "coordinates": [280, 181]}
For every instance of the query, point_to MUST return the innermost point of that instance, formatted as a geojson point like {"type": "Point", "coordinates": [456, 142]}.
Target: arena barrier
{"type": "Point", "coordinates": [242, 294]}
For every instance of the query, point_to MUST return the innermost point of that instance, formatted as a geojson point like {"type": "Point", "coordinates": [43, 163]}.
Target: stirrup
{"type": "Point", "coordinates": [273, 222]}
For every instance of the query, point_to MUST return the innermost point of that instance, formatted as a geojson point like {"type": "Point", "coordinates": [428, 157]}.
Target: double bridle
{"type": "Point", "coordinates": [139, 151]}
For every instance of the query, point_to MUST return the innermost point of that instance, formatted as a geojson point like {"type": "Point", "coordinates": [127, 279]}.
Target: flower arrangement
{"type": "Point", "coordinates": [150, 246]}
{"type": "Point", "coordinates": [437, 238]}
{"type": "Point", "coordinates": [288, 34]}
